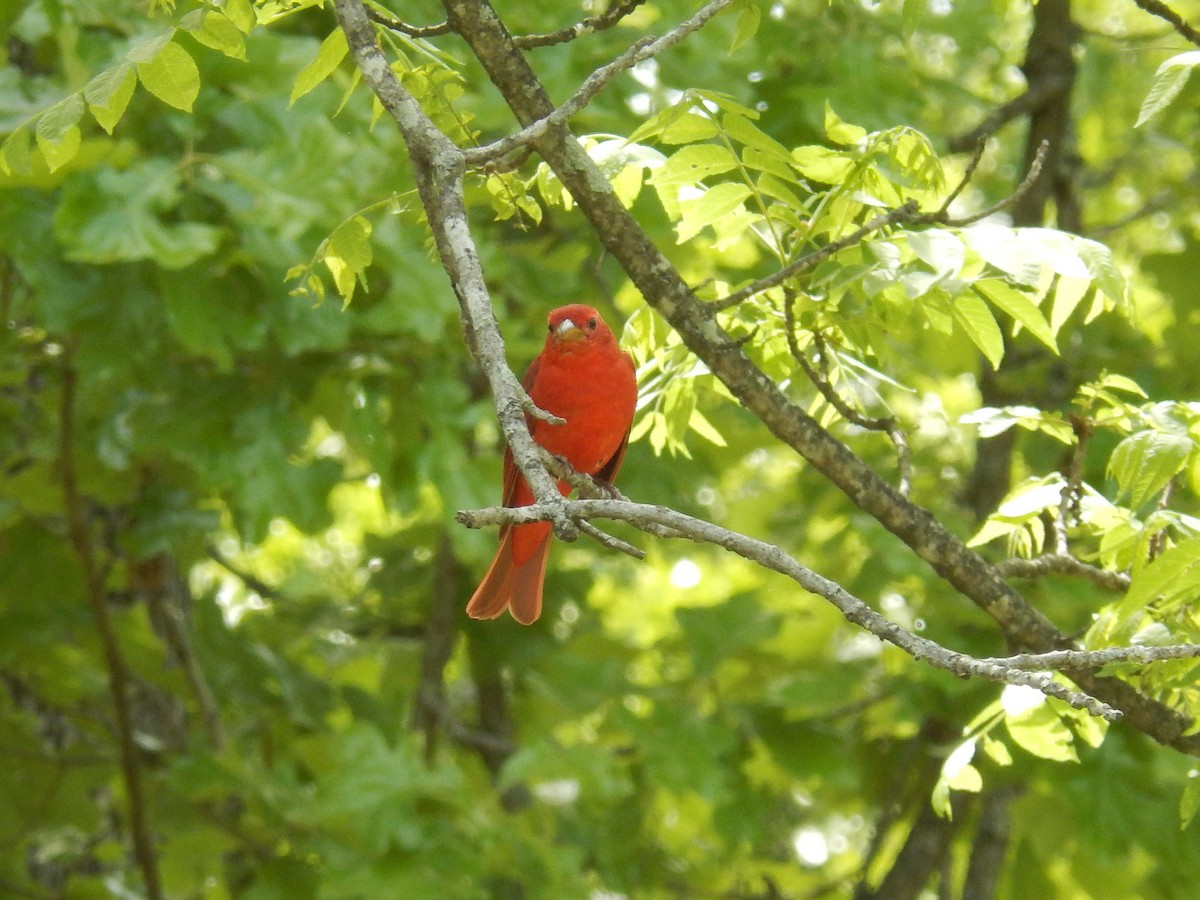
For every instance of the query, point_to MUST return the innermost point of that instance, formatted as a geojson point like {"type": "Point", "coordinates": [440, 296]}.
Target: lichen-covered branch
{"type": "Point", "coordinates": [438, 166]}
{"type": "Point", "coordinates": [656, 518]}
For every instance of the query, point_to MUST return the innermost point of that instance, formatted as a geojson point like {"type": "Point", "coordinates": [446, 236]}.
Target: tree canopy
{"type": "Point", "coordinates": [901, 596]}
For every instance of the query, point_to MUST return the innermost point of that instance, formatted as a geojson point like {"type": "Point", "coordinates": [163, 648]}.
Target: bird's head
{"type": "Point", "coordinates": [576, 325]}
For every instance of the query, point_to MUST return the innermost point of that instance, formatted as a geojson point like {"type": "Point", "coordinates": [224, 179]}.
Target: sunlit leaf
{"type": "Point", "coordinates": [1144, 462]}
{"type": "Point", "coordinates": [980, 325]}
{"type": "Point", "coordinates": [58, 133]}
{"type": "Point", "coordinates": [171, 76]}
{"type": "Point", "coordinates": [1169, 80]}
{"type": "Point", "coordinates": [108, 94]}
{"type": "Point", "coordinates": [329, 56]}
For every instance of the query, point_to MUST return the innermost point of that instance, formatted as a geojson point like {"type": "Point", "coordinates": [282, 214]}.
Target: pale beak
{"type": "Point", "coordinates": [566, 330]}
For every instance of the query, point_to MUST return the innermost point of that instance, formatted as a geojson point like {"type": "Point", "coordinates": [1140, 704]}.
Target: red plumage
{"type": "Point", "coordinates": [584, 377]}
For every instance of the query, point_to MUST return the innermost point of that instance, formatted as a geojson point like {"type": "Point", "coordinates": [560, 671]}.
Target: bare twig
{"type": "Point", "coordinates": [590, 25]}
{"type": "Point", "coordinates": [1032, 99]}
{"type": "Point", "coordinates": [401, 27]}
{"type": "Point", "coordinates": [812, 260]}
{"type": "Point", "coordinates": [653, 518]}
{"type": "Point", "coordinates": [1062, 564]}
{"type": "Point", "coordinates": [1068, 660]}
{"type": "Point", "coordinates": [1176, 21]}
{"type": "Point", "coordinates": [118, 670]}
{"type": "Point", "coordinates": [1158, 541]}
{"type": "Point", "coordinates": [820, 380]}
{"type": "Point", "coordinates": [165, 591]}
{"type": "Point", "coordinates": [642, 50]}
{"type": "Point", "coordinates": [249, 579]}
{"type": "Point", "coordinates": [941, 217]}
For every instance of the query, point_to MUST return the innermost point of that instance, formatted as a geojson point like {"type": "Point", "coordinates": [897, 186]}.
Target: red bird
{"type": "Point", "coordinates": [582, 376]}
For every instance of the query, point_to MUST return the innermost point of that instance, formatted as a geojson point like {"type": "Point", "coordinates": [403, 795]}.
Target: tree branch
{"type": "Point", "coordinates": [1062, 564]}
{"type": "Point", "coordinates": [438, 168]}
{"type": "Point", "coordinates": [402, 27]}
{"type": "Point", "coordinates": [810, 261]}
{"type": "Point", "coordinates": [590, 25]}
{"type": "Point", "coordinates": [445, 595]}
{"type": "Point", "coordinates": [663, 288]}
{"type": "Point", "coordinates": [554, 118]}
{"type": "Point", "coordinates": [654, 519]}
{"type": "Point", "coordinates": [1176, 21]}
{"type": "Point", "coordinates": [118, 671]}
{"type": "Point", "coordinates": [1077, 660]}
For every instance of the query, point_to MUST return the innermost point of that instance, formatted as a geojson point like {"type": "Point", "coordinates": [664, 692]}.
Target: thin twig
{"type": "Point", "coordinates": [968, 173]}
{"type": "Point", "coordinates": [642, 50]}
{"type": "Point", "coordinates": [590, 25]}
{"type": "Point", "coordinates": [653, 519]}
{"type": "Point", "coordinates": [1030, 100]}
{"type": "Point", "coordinates": [118, 670]}
{"type": "Point", "coordinates": [942, 217]}
{"type": "Point", "coordinates": [1067, 660]}
{"type": "Point", "coordinates": [820, 380]}
{"type": "Point", "coordinates": [907, 214]}
{"type": "Point", "coordinates": [249, 579]}
{"type": "Point", "coordinates": [1176, 21]}
{"type": "Point", "coordinates": [814, 259]}
{"type": "Point", "coordinates": [1158, 541]}
{"type": "Point", "coordinates": [1062, 564]}
{"type": "Point", "coordinates": [402, 27]}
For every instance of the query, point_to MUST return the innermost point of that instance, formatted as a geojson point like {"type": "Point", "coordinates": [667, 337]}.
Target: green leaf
{"type": "Point", "coordinates": [980, 325]}
{"type": "Point", "coordinates": [957, 775]}
{"type": "Point", "coordinates": [742, 130]}
{"type": "Point", "coordinates": [688, 128]}
{"type": "Point", "coordinates": [1169, 80]}
{"type": "Point", "coordinates": [1189, 800]}
{"type": "Point", "coordinates": [1068, 294]}
{"type": "Point", "coordinates": [1036, 726]}
{"type": "Point", "coordinates": [241, 14]}
{"type": "Point", "coordinates": [841, 132]}
{"type": "Point", "coordinates": [217, 31]}
{"type": "Point", "coordinates": [1007, 250]}
{"type": "Point", "coordinates": [1017, 304]}
{"type": "Point", "coordinates": [822, 164]}
{"type": "Point", "coordinates": [1102, 268]}
{"type": "Point", "coordinates": [146, 50]}
{"type": "Point", "coordinates": [114, 216]}
{"type": "Point", "coordinates": [14, 153]}
{"type": "Point", "coordinates": [1170, 577]}
{"type": "Point", "coordinates": [942, 251]}
{"type": "Point", "coordinates": [171, 76]}
{"type": "Point", "coordinates": [347, 253]}
{"type": "Point", "coordinates": [108, 94]}
{"type": "Point", "coordinates": [699, 424]}
{"type": "Point", "coordinates": [714, 205]}
{"type": "Point", "coordinates": [691, 165]}
{"type": "Point", "coordinates": [58, 131]}
{"type": "Point", "coordinates": [1144, 462]}
{"type": "Point", "coordinates": [748, 19]}
{"type": "Point", "coordinates": [330, 55]}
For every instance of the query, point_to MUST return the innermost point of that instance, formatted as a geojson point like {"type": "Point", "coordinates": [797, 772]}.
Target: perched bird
{"type": "Point", "coordinates": [584, 377]}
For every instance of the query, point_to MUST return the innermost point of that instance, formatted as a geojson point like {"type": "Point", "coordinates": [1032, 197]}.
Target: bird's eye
{"type": "Point", "coordinates": [550, 326]}
{"type": "Point", "coordinates": [592, 323]}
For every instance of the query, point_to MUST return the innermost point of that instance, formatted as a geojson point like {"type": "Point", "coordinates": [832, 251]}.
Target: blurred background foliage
{"type": "Point", "coordinates": [268, 482]}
